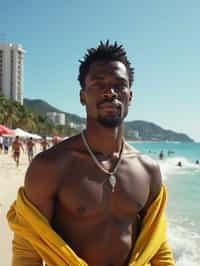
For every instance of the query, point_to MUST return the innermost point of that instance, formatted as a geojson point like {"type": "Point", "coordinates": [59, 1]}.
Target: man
{"type": "Point", "coordinates": [93, 199]}
{"type": "Point", "coordinates": [16, 148]}
{"type": "Point", "coordinates": [30, 146]}
{"type": "Point", "coordinates": [161, 155]}
{"type": "Point", "coordinates": [6, 144]}
{"type": "Point", "coordinates": [44, 144]}
{"type": "Point", "coordinates": [1, 143]}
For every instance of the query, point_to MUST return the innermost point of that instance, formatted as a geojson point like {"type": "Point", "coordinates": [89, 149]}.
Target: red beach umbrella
{"type": "Point", "coordinates": [56, 139]}
{"type": "Point", "coordinates": [6, 131]}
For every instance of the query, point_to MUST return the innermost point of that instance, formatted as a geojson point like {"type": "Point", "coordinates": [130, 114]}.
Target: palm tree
{"type": "Point", "coordinates": [8, 114]}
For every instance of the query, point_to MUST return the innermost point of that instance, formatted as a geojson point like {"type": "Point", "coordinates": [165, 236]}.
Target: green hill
{"type": "Point", "coordinates": [41, 107]}
{"type": "Point", "coordinates": [134, 130]}
{"type": "Point", "coordinates": [153, 132]}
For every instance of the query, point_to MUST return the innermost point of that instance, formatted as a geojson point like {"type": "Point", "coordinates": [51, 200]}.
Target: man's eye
{"type": "Point", "coordinates": [95, 86]}
{"type": "Point", "coordinates": [120, 87]}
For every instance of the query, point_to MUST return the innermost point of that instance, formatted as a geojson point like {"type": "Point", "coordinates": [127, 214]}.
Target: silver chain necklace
{"type": "Point", "coordinates": [112, 178]}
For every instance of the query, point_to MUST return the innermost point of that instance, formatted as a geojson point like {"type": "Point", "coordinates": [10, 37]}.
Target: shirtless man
{"type": "Point", "coordinates": [1, 143]}
{"type": "Point", "coordinates": [16, 148]}
{"type": "Point", "coordinates": [30, 146]}
{"type": "Point", "coordinates": [94, 188]}
{"type": "Point", "coordinates": [44, 144]}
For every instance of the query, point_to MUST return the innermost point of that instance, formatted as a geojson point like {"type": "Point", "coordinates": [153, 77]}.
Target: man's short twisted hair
{"type": "Point", "coordinates": [105, 51]}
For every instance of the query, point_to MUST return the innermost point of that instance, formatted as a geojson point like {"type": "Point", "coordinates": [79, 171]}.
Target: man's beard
{"type": "Point", "coordinates": [110, 122]}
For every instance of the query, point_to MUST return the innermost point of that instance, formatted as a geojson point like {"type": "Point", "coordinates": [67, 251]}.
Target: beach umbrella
{"type": "Point", "coordinates": [36, 137]}
{"type": "Point", "coordinates": [22, 133]}
{"type": "Point", "coordinates": [6, 131]}
{"type": "Point", "coordinates": [25, 134]}
{"type": "Point", "coordinates": [56, 139]}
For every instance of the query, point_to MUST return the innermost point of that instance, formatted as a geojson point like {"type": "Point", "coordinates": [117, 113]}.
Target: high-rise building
{"type": "Point", "coordinates": [11, 71]}
{"type": "Point", "coordinates": [56, 118]}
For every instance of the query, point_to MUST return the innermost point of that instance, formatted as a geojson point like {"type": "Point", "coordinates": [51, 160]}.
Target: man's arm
{"type": "Point", "coordinates": [164, 256]}
{"type": "Point", "coordinates": [155, 181]}
{"type": "Point", "coordinates": [21, 146]}
{"type": "Point", "coordinates": [39, 189]}
{"type": "Point", "coordinates": [12, 146]}
{"type": "Point", "coordinates": [40, 184]}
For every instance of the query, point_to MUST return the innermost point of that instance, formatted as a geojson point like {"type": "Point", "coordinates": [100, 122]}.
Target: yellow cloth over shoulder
{"type": "Point", "coordinates": [35, 240]}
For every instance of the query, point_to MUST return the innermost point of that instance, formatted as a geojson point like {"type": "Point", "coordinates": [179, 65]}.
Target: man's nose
{"type": "Point", "coordinates": [109, 92]}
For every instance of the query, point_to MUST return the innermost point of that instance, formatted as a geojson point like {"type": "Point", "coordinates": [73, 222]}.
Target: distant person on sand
{"type": "Point", "coordinates": [93, 199]}
{"type": "Point", "coordinates": [16, 148]}
{"type": "Point", "coordinates": [1, 143]}
{"type": "Point", "coordinates": [44, 144]}
{"type": "Point", "coordinates": [6, 144]}
{"type": "Point", "coordinates": [30, 148]}
{"type": "Point", "coordinates": [197, 162]}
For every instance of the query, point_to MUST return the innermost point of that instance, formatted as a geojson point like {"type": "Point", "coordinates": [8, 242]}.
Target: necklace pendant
{"type": "Point", "coordinates": [112, 181]}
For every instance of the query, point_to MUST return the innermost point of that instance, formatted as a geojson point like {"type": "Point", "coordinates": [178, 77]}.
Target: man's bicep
{"type": "Point", "coordinates": [37, 187]}
{"type": "Point", "coordinates": [155, 184]}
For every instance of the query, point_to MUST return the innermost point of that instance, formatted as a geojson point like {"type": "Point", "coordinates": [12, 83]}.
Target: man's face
{"type": "Point", "coordinates": [107, 94]}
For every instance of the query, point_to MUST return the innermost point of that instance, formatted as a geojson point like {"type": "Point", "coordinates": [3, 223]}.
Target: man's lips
{"type": "Point", "coordinates": [109, 105]}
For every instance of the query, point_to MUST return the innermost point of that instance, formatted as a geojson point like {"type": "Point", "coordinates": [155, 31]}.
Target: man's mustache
{"type": "Point", "coordinates": [109, 100]}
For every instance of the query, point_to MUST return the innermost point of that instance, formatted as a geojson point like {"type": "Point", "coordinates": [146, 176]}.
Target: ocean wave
{"type": "Point", "coordinates": [185, 244]}
{"type": "Point", "coordinates": [170, 166]}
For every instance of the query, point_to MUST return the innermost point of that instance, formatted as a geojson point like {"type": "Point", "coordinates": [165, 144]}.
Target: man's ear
{"type": "Point", "coordinates": [82, 97]}
{"type": "Point", "coordinates": [130, 97]}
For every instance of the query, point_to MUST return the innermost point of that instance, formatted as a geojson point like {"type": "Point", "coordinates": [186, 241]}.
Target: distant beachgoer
{"type": "Point", "coordinates": [6, 144]}
{"type": "Point", "coordinates": [44, 143]}
{"type": "Point", "coordinates": [170, 152]}
{"type": "Point", "coordinates": [161, 155]}
{"type": "Point", "coordinates": [179, 164]}
{"type": "Point", "coordinates": [16, 148]}
{"type": "Point", "coordinates": [1, 144]}
{"type": "Point", "coordinates": [197, 161]}
{"type": "Point", "coordinates": [30, 145]}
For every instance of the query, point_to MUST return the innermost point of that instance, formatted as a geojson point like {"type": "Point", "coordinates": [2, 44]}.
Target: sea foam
{"type": "Point", "coordinates": [169, 166]}
{"type": "Point", "coordinates": [185, 244]}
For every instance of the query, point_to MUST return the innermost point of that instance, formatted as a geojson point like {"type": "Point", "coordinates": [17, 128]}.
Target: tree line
{"type": "Point", "coordinates": [14, 115]}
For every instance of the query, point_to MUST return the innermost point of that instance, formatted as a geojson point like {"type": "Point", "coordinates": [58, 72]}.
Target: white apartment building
{"type": "Point", "coordinates": [11, 71]}
{"type": "Point", "coordinates": [57, 118]}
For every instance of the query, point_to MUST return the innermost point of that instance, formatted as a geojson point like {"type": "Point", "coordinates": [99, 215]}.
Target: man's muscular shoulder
{"type": "Point", "coordinates": [44, 175]}
{"type": "Point", "coordinates": [153, 170]}
{"type": "Point", "coordinates": [151, 167]}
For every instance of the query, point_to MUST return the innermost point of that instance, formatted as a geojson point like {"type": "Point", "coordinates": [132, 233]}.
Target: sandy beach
{"type": "Point", "coordinates": [11, 178]}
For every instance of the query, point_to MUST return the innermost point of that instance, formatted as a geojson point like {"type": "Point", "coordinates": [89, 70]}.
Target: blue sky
{"type": "Point", "coordinates": [161, 38]}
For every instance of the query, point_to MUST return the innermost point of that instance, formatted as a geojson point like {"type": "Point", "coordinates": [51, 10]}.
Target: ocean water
{"type": "Point", "coordinates": [183, 207]}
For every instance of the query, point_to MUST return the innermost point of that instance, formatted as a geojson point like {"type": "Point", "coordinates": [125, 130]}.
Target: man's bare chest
{"type": "Point", "coordinates": [86, 191]}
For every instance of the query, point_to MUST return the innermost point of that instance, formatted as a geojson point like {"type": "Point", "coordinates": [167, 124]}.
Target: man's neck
{"type": "Point", "coordinates": [107, 141]}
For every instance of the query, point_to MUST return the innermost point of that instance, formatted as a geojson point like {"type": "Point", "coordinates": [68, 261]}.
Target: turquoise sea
{"type": "Point", "coordinates": [183, 184]}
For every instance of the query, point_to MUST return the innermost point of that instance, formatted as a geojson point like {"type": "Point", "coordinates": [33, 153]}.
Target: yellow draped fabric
{"type": "Point", "coordinates": [35, 240]}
